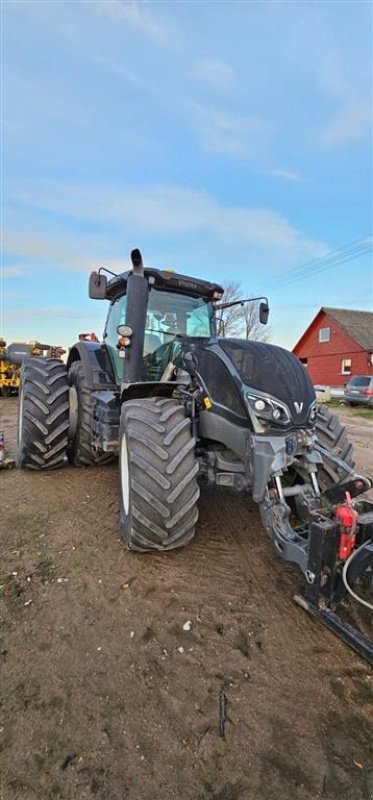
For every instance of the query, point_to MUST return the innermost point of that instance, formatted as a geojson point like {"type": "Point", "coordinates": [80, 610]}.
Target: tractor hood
{"type": "Point", "coordinates": [237, 372]}
{"type": "Point", "coordinates": [269, 368]}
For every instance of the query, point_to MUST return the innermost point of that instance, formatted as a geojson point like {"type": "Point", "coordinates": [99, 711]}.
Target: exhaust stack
{"type": "Point", "coordinates": [137, 265]}
{"type": "Point", "coordinates": [137, 304]}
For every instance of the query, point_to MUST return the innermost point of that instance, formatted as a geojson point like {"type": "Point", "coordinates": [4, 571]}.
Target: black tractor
{"type": "Point", "coordinates": [182, 408]}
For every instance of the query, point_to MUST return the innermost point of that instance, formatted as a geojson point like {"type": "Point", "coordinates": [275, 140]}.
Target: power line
{"type": "Point", "coordinates": [365, 240]}
{"type": "Point", "coordinates": [333, 258]}
{"type": "Point", "coordinates": [329, 265]}
{"type": "Point", "coordinates": [357, 244]}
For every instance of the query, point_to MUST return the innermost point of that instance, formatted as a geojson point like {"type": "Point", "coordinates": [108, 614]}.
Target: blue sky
{"type": "Point", "coordinates": [229, 140]}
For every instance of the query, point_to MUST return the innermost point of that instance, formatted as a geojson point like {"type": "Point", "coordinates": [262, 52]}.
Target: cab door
{"type": "Point", "coordinates": [116, 316]}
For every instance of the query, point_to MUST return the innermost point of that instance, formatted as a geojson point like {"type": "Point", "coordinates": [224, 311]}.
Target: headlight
{"type": "Point", "coordinates": [312, 413]}
{"type": "Point", "coordinates": [268, 410]}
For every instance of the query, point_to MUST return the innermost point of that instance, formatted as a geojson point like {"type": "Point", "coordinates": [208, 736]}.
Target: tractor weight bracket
{"type": "Point", "coordinates": [326, 589]}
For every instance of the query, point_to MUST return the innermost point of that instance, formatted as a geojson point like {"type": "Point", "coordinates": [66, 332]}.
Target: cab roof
{"type": "Point", "coordinates": [168, 281]}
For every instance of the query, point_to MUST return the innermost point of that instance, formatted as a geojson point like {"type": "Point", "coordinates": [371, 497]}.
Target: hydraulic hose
{"type": "Point", "coordinates": [347, 585]}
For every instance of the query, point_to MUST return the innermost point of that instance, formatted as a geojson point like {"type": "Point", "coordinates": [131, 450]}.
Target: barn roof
{"type": "Point", "coordinates": [358, 324]}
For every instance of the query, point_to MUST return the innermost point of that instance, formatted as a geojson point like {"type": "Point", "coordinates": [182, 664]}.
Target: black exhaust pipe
{"type": "Point", "coordinates": [137, 265]}
{"type": "Point", "coordinates": [137, 304]}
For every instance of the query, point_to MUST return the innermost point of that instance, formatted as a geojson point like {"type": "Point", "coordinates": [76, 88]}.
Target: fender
{"type": "Point", "coordinates": [135, 391]}
{"type": "Point", "coordinates": [97, 365]}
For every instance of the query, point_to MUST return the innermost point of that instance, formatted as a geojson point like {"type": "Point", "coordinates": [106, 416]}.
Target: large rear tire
{"type": "Point", "coordinates": [332, 435]}
{"type": "Point", "coordinates": [43, 414]}
{"type": "Point", "coordinates": [158, 475]}
{"type": "Point", "coordinates": [80, 451]}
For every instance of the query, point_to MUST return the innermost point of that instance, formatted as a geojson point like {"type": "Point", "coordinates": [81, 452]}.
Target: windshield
{"type": "Point", "coordinates": [171, 314]}
{"type": "Point", "coordinates": [360, 380]}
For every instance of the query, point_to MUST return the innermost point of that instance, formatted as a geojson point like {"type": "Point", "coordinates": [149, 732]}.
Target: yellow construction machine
{"type": "Point", "coordinates": [12, 357]}
{"type": "Point", "coordinates": [9, 373]}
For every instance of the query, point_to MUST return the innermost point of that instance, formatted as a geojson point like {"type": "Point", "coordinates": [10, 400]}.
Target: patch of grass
{"type": "Point", "coordinates": [366, 413]}
{"type": "Point", "coordinates": [28, 522]}
{"type": "Point", "coordinates": [353, 411]}
{"type": "Point", "coordinates": [334, 402]}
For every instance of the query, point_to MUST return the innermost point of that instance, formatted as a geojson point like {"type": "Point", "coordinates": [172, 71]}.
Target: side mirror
{"type": "Point", "coordinates": [97, 286]}
{"type": "Point", "coordinates": [263, 313]}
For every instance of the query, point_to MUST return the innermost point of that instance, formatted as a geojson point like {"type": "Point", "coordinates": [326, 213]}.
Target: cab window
{"type": "Point", "coordinates": [169, 316]}
{"type": "Point", "coordinates": [116, 316]}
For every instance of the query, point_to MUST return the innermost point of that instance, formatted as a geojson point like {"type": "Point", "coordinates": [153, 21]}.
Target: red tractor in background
{"type": "Point", "coordinates": [88, 337]}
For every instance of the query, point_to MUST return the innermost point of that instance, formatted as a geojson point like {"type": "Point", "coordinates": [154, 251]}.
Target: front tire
{"type": "Point", "coordinates": [43, 414]}
{"type": "Point", "coordinates": [158, 475]}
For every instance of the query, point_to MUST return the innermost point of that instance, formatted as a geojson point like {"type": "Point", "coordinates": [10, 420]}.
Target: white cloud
{"type": "Point", "coordinates": [215, 73]}
{"type": "Point", "coordinates": [224, 133]}
{"type": "Point", "coordinates": [56, 312]}
{"type": "Point", "coordinates": [351, 123]}
{"type": "Point", "coordinates": [285, 174]}
{"type": "Point", "coordinates": [11, 272]}
{"type": "Point", "coordinates": [136, 14]}
{"type": "Point", "coordinates": [349, 86]}
{"type": "Point", "coordinates": [53, 252]}
{"type": "Point", "coordinates": [116, 69]}
{"type": "Point", "coordinates": [155, 212]}
{"type": "Point", "coordinates": [36, 248]}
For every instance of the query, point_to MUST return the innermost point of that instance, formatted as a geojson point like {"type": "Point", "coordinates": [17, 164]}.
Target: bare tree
{"type": "Point", "coordinates": [229, 321]}
{"type": "Point", "coordinates": [240, 321]}
{"type": "Point", "coordinates": [253, 328]}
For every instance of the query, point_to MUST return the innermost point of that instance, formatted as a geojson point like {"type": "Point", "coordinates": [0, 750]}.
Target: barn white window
{"type": "Point", "coordinates": [346, 366]}
{"type": "Point", "coordinates": [324, 334]}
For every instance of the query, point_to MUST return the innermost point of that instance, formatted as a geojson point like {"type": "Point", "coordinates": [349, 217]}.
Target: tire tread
{"type": "Point", "coordinates": [332, 435]}
{"type": "Point", "coordinates": [45, 410]}
{"type": "Point", "coordinates": [163, 475]}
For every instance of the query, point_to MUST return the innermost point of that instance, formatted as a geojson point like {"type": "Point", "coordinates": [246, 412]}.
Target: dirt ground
{"type": "Point", "coordinates": [106, 697]}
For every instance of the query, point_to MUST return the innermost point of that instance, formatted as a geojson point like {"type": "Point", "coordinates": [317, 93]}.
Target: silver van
{"type": "Point", "coordinates": [359, 391]}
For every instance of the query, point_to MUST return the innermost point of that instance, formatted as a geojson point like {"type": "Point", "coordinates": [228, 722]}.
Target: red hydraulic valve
{"type": "Point", "coordinates": [347, 518]}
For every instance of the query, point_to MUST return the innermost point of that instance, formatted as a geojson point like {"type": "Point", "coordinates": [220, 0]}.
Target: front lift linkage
{"type": "Point", "coordinates": [340, 552]}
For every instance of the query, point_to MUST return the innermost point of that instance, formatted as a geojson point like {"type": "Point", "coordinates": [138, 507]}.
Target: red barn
{"type": "Point", "coordinates": [337, 344]}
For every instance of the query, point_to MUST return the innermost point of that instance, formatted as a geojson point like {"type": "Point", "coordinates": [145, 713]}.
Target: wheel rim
{"type": "Point", "coordinates": [124, 474]}
{"type": "Point", "coordinates": [73, 411]}
{"type": "Point", "coordinates": [20, 422]}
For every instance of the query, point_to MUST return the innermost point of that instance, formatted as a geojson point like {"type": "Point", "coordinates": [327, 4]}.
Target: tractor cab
{"type": "Point", "coordinates": [160, 308]}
